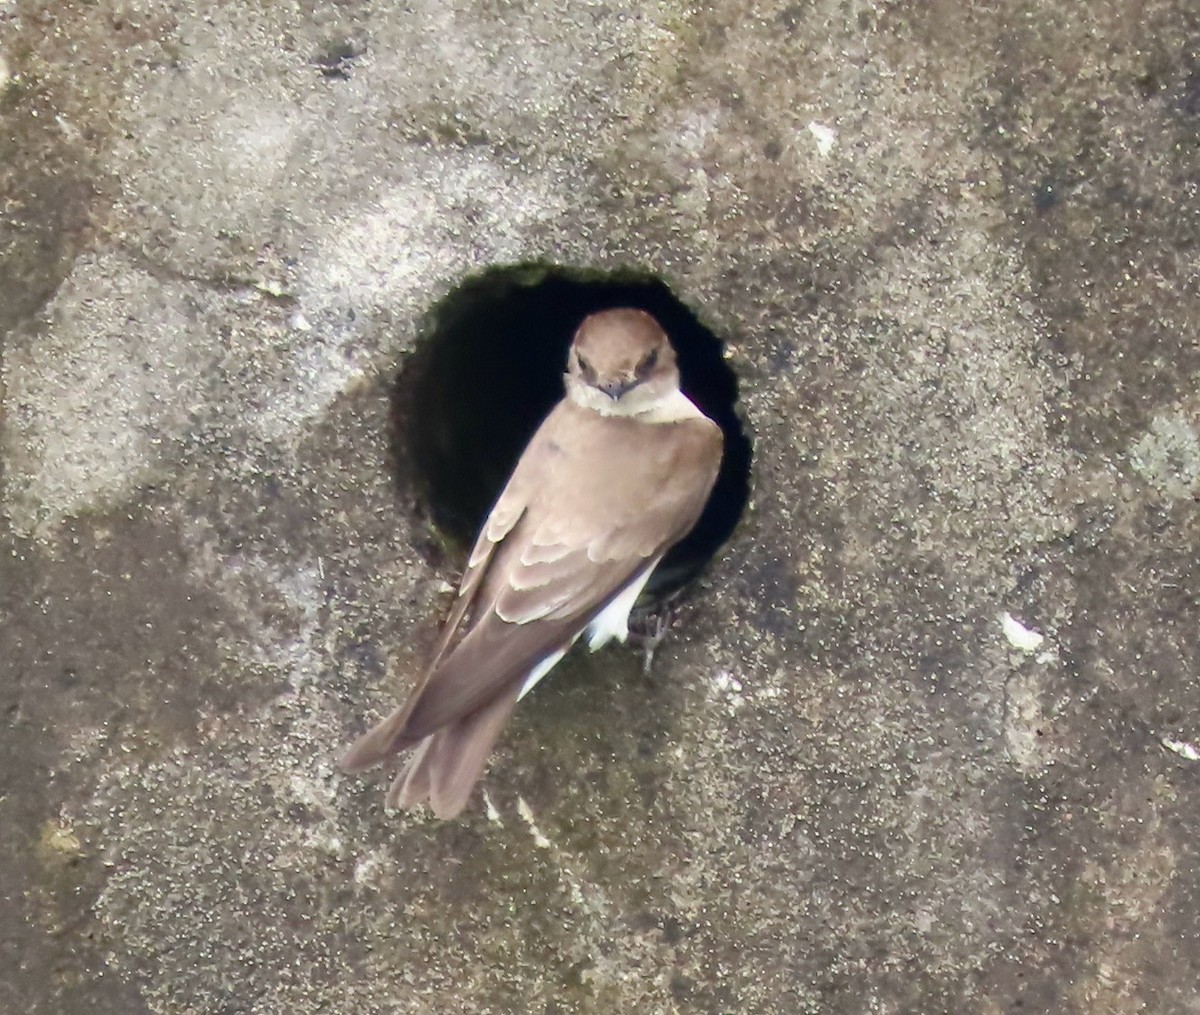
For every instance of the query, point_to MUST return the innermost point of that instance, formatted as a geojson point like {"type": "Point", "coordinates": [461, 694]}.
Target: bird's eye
{"type": "Point", "coordinates": [584, 366]}
{"type": "Point", "coordinates": [649, 362]}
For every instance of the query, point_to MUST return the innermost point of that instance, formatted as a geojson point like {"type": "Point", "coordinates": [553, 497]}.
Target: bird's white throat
{"type": "Point", "coordinates": [668, 408]}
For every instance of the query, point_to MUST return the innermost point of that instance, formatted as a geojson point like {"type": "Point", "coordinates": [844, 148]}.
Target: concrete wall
{"type": "Point", "coordinates": [956, 249]}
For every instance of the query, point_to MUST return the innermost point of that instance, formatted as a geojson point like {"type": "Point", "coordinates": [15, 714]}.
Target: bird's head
{"type": "Point", "coordinates": [621, 363]}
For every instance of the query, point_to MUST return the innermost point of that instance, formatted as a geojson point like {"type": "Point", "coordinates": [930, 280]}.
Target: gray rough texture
{"type": "Point", "coordinates": [967, 334]}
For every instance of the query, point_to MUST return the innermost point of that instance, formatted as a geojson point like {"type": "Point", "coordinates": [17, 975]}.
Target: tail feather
{"type": "Point", "coordinates": [412, 783]}
{"type": "Point", "coordinates": [447, 764]}
{"type": "Point", "coordinates": [449, 759]}
{"type": "Point", "coordinates": [383, 740]}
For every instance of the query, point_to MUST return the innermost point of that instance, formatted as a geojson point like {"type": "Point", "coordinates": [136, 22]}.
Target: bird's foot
{"type": "Point", "coordinates": [648, 629]}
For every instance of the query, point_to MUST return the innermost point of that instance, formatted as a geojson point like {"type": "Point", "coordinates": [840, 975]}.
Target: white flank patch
{"type": "Point", "coordinates": [613, 620]}
{"type": "Point", "coordinates": [541, 669]}
{"type": "Point", "coordinates": [826, 137]}
{"type": "Point", "coordinates": [1018, 635]}
{"type": "Point", "coordinates": [1184, 748]}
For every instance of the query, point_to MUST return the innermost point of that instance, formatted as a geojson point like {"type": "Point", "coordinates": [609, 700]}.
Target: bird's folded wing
{"type": "Point", "coordinates": [564, 560]}
{"type": "Point", "coordinates": [560, 544]}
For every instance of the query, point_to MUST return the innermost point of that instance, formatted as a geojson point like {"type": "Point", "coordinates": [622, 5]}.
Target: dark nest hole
{"type": "Point", "coordinates": [489, 366]}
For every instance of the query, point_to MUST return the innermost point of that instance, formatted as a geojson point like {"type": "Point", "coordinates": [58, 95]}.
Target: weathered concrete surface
{"type": "Point", "coordinates": [967, 333]}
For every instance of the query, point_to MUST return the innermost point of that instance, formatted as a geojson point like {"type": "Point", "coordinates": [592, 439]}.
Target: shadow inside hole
{"type": "Point", "coordinates": [489, 367]}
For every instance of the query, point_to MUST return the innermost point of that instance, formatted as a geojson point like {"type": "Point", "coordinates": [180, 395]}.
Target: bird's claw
{"type": "Point", "coordinates": [648, 630]}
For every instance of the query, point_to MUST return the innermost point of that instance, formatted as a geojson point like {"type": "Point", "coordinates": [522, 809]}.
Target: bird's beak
{"type": "Point", "coordinates": [615, 389]}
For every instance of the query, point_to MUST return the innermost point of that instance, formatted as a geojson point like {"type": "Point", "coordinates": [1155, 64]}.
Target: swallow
{"type": "Point", "coordinates": [616, 474]}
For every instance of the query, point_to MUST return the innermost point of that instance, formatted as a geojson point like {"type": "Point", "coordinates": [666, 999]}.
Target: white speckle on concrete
{"type": "Point", "coordinates": [1019, 636]}
{"type": "Point", "coordinates": [369, 866]}
{"type": "Point", "coordinates": [1184, 748]}
{"type": "Point", "coordinates": [4, 71]}
{"type": "Point", "coordinates": [727, 682]}
{"type": "Point", "coordinates": [696, 129]}
{"type": "Point", "coordinates": [539, 839]}
{"type": "Point", "coordinates": [727, 686]}
{"type": "Point", "coordinates": [825, 137]}
{"type": "Point", "coordinates": [1168, 456]}
{"type": "Point", "coordinates": [313, 790]}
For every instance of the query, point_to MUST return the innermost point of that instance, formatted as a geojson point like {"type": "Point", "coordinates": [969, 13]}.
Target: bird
{"type": "Point", "coordinates": [617, 473]}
